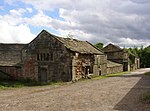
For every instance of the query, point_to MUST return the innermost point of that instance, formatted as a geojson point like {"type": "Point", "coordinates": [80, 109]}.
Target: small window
{"type": "Point", "coordinates": [38, 57]}
{"type": "Point", "coordinates": [51, 56]}
{"type": "Point", "coordinates": [44, 57]}
{"type": "Point", "coordinates": [41, 57]}
{"type": "Point", "coordinates": [47, 57]}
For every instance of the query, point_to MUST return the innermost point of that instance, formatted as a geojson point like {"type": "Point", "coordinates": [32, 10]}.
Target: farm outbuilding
{"type": "Point", "coordinates": [52, 58]}
{"type": "Point", "coordinates": [113, 67]}
{"type": "Point", "coordinates": [122, 56]}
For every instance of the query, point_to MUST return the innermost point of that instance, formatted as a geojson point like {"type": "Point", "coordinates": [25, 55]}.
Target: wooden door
{"type": "Point", "coordinates": [43, 75]}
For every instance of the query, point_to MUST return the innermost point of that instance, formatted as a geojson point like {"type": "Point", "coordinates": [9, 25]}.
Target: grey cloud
{"type": "Point", "coordinates": [105, 20]}
{"type": "Point", "coordinates": [141, 1]}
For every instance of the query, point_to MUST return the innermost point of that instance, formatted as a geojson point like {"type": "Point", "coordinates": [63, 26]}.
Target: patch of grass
{"type": "Point", "coordinates": [147, 73]}
{"type": "Point", "coordinates": [109, 75]}
{"type": "Point", "coordinates": [15, 84]}
{"type": "Point", "coordinates": [29, 83]}
{"type": "Point", "coordinates": [116, 74]}
{"type": "Point", "coordinates": [146, 98]}
{"type": "Point", "coordinates": [99, 77]}
{"type": "Point", "coordinates": [56, 83]}
{"type": "Point", "coordinates": [10, 84]}
{"type": "Point", "coordinates": [18, 84]}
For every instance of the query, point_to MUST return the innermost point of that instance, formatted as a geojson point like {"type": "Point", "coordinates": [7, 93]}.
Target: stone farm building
{"type": "Point", "coordinates": [51, 58]}
{"type": "Point", "coordinates": [118, 55]}
{"type": "Point", "coordinates": [113, 67]}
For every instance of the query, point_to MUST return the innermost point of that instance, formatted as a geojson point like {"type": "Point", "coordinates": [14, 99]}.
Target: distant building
{"type": "Point", "coordinates": [116, 54]}
{"type": "Point", "coordinates": [113, 67]}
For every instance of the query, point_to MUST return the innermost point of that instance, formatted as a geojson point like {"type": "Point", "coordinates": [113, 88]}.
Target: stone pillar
{"type": "Point", "coordinates": [73, 69]}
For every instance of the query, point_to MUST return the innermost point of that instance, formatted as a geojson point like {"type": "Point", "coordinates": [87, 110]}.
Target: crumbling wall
{"type": "Point", "coordinates": [84, 65]}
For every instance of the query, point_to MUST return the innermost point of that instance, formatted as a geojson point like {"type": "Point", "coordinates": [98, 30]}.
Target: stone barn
{"type": "Point", "coordinates": [10, 59]}
{"type": "Point", "coordinates": [51, 58]}
{"type": "Point", "coordinates": [116, 54]}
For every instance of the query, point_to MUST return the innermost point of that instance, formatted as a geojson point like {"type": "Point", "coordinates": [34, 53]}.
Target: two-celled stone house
{"type": "Point", "coordinates": [116, 54]}
{"type": "Point", "coordinates": [51, 58]}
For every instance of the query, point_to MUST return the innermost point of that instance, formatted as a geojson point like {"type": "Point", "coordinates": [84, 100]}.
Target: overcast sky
{"type": "Point", "coordinates": [123, 22]}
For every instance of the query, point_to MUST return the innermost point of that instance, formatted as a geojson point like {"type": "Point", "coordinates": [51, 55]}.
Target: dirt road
{"type": "Point", "coordinates": [122, 93]}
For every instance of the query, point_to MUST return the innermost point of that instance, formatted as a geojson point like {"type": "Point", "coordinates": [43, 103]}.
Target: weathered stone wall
{"type": "Point", "coordinates": [100, 64]}
{"type": "Point", "coordinates": [116, 54]}
{"type": "Point", "coordinates": [137, 63]}
{"type": "Point", "coordinates": [13, 72]}
{"type": "Point", "coordinates": [82, 65]}
{"type": "Point", "coordinates": [10, 58]}
{"type": "Point", "coordinates": [10, 53]}
{"type": "Point", "coordinates": [88, 64]}
{"type": "Point", "coordinates": [115, 69]}
{"type": "Point", "coordinates": [45, 52]}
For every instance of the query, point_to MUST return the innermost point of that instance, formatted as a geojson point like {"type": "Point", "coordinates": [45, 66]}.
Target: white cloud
{"type": "Point", "coordinates": [15, 16]}
{"type": "Point", "coordinates": [29, 10]}
{"type": "Point", "coordinates": [1, 8]}
{"type": "Point", "coordinates": [18, 12]}
{"type": "Point", "coordinates": [39, 19]}
{"type": "Point", "coordinates": [13, 28]}
{"type": "Point", "coordinates": [140, 1]}
{"type": "Point", "coordinates": [117, 21]}
{"type": "Point", "coordinates": [15, 34]}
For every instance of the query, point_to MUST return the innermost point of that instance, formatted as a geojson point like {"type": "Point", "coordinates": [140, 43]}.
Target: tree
{"type": "Point", "coordinates": [145, 57]}
{"type": "Point", "coordinates": [99, 45]}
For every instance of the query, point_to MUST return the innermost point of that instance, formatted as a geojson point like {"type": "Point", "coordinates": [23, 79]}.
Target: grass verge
{"type": "Point", "coordinates": [109, 75]}
{"type": "Point", "coordinates": [146, 98]}
{"type": "Point", "coordinates": [18, 84]}
{"type": "Point", "coordinates": [147, 73]}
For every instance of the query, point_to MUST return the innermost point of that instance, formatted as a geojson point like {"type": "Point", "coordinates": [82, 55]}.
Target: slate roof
{"type": "Point", "coordinates": [115, 48]}
{"type": "Point", "coordinates": [82, 47]}
{"type": "Point", "coordinates": [75, 45]}
{"type": "Point", "coordinates": [11, 47]}
{"type": "Point", "coordinates": [10, 54]}
{"type": "Point", "coordinates": [112, 64]}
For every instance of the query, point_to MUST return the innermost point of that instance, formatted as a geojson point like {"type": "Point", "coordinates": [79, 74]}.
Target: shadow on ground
{"type": "Point", "coordinates": [133, 100]}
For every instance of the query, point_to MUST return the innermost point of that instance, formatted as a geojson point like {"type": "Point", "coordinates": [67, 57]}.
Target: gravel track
{"type": "Point", "coordinates": [122, 93]}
